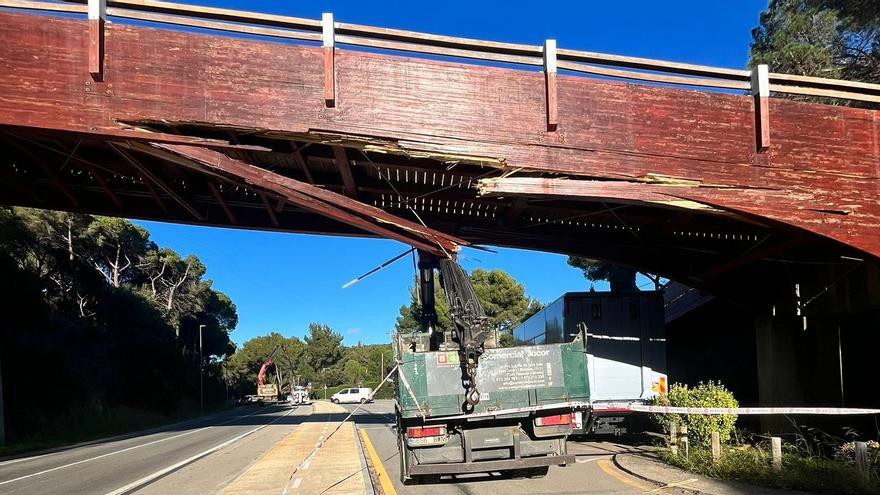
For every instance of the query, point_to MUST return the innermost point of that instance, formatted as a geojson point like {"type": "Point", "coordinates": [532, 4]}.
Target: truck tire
{"type": "Point", "coordinates": [335, 401]}
{"type": "Point", "coordinates": [363, 401]}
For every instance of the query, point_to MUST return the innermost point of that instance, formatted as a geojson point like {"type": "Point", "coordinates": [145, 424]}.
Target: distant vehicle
{"type": "Point", "coordinates": [300, 395]}
{"type": "Point", "coordinates": [625, 347]}
{"type": "Point", "coordinates": [352, 396]}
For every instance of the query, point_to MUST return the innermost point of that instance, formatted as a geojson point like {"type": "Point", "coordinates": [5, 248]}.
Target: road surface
{"type": "Point", "coordinates": [235, 449]}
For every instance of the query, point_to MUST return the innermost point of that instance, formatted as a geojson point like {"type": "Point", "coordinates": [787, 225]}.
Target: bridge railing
{"type": "Point", "coordinates": [598, 64]}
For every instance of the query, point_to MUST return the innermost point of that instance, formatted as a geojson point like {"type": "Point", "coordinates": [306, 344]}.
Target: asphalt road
{"type": "Point", "coordinates": [181, 459]}
{"type": "Point", "coordinates": [593, 473]}
{"type": "Point", "coordinates": [203, 456]}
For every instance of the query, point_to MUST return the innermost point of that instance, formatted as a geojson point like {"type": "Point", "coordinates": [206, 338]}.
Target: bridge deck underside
{"type": "Point", "coordinates": [663, 179]}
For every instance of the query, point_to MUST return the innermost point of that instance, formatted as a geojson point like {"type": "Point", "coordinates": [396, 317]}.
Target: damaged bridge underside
{"type": "Point", "coordinates": [234, 131]}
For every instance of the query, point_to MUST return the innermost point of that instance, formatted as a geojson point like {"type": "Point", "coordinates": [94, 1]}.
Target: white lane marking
{"type": "Point", "coordinates": [584, 461]}
{"type": "Point", "coordinates": [98, 443]}
{"type": "Point", "coordinates": [162, 472]}
{"type": "Point", "coordinates": [306, 465]}
{"type": "Point", "coordinates": [296, 483]}
{"type": "Point", "coordinates": [56, 468]}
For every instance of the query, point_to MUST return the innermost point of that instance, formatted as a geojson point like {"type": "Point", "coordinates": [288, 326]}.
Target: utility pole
{"type": "Point", "coordinates": [201, 374]}
{"type": "Point", "coordinates": [382, 368]}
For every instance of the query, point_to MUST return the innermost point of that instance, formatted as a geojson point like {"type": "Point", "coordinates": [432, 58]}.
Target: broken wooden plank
{"type": "Point", "coordinates": [318, 200]}
{"type": "Point", "coordinates": [588, 190]}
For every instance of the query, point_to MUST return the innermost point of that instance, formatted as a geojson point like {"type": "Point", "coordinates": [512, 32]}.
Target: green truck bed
{"type": "Point", "coordinates": [507, 378]}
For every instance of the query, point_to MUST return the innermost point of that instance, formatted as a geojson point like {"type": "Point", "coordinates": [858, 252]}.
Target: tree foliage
{"type": "Point", "coordinates": [503, 299]}
{"type": "Point", "coordinates": [619, 277]}
{"type": "Point", "coordinates": [82, 318]}
{"type": "Point", "coordinates": [837, 39]}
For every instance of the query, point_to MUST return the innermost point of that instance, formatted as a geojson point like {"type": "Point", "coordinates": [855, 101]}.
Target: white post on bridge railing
{"type": "Point", "coordinates": [550, 84]}
{"type": "Point", "coordinates": [761, 93]}
{"type": "Point", "coordinates": [328, 41]}
{"type": "Point", "coordinates": [97, 18]}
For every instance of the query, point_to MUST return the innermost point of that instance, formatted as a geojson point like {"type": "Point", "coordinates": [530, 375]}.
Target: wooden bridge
{"type": "Point", "coordinates": [155, 110]}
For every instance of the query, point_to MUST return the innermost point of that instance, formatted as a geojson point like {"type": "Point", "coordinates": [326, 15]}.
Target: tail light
{"type": "Point", "coordinates": [561, 419]}
{"type": "Point", "coordinates": [423, 432]}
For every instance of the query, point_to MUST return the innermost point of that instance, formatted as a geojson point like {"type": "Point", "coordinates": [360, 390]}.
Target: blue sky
{"type": "Point", "coordinates": [282, 282]}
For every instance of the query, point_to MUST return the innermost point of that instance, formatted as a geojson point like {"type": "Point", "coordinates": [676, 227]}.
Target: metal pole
{"type": "Point", "coordinates": [2, 419]}
{"type": "Point", "coordinates": [382, 370]}
{"type": "Point", "coordinates": [201, 374]}
{"type": "Point", "coordinates": [840, 363]}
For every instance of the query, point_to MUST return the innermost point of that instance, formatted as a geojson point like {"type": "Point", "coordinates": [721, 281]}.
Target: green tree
{"type": "Point", "coordinates": [619, 277]}
{"type": "Point", "coordinates": [355, 372]}
{"type": "Point", "coordinates": [117, 246]}
{"type": "Point", "coordinates": [825, 38]}
{"type": "Point", "coordinates": [323, 347]}
{"type": "Point", "coordinates": [502, 297]}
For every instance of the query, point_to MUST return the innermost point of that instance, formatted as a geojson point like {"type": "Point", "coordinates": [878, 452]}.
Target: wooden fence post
{"type": "Point", "coordinates": [673, 438]}
{"type": "Point", "coordinates": [862, 458]}
{"type": "Point", "coordinates": [776, 453]}
{"type": "Point", "coordinates": [684, 440]}
{"type": "Point", "coordinates": [716, 446]}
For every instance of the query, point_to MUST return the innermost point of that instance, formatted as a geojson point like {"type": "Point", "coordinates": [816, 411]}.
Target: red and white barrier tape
{"type": "Point", "coordinates": [830, 411]}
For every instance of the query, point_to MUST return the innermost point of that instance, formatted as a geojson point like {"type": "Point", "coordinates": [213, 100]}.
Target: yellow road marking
{"type": "Point", "coordinates": [384, 480]}
{"type": "Point", "coordinates": [606, 466]}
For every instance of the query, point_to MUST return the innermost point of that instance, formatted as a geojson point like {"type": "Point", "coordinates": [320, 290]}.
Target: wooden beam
{"type": "Point", "coordinates": [48, 170]}
{"type": "Point", "coordinates": [761, 94]}
{"type": "Point", "coordinates": [99, 178]}
{"type": "Point", "coordinates": [215, 191]}
{"type": "Point", "coordinates": [97, 18]}
{"type": "Point", "coordinates": [320, 201]}
{"type": "Point", "coordinates": [552, 101]}
{"type": "Point", "coordinates": [344, 166]}
{"type": "Point", "coordinates": [269, 211]}
{"type": "Point", "coordinates": [137, 165]}
{"type": "Point", "coordinates": [750, 257]}
{"type": "Point", "coordinates": [328, 41]}
{"type": "Point", "coordinates": [514, 211]}
{"type": "Point", "coordinates": [301, 162]}
{"type": "Point", "coordinates": [592, 190]}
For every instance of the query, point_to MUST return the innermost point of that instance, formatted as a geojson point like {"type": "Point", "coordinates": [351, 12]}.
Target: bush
{"type": "Point", "coordinates": [847, 454]}
{"type": "Point", "coordinates": [700, 427]}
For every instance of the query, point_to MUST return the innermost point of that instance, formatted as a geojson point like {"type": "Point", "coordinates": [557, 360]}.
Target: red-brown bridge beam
{"type": "Point", "coordinates": [826, 156]}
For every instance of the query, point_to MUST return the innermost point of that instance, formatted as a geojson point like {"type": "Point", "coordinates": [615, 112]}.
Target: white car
{"type": "Point", "coordinates": [352, 395]}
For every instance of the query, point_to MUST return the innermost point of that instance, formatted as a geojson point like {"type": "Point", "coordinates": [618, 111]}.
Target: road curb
{"type": "Point", "coordinates": [660, 484]}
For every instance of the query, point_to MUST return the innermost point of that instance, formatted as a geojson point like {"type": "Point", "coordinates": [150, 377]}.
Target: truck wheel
{"type": "Point", "coordinates": [335, 401]}
{"type": "Point", "coordinates": [363, 401]}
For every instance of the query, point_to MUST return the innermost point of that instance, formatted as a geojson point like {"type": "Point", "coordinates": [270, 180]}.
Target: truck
{"type": "Point", "coordinates": [625, 341]}
{"type": "Point", "coordinates": [464, 404]}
